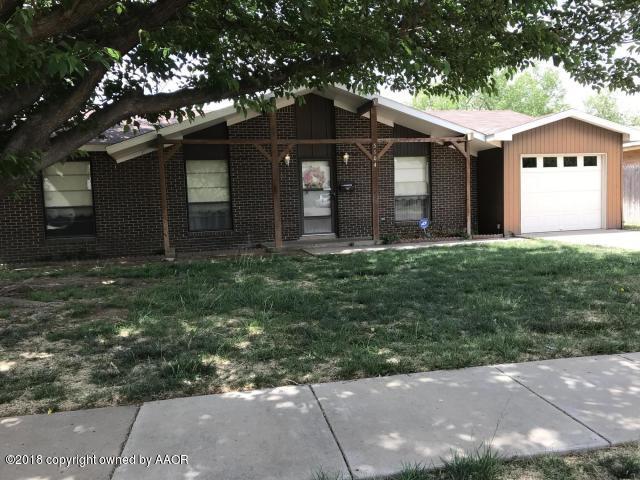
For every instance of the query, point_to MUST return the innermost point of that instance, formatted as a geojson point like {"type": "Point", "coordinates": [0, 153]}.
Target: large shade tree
{"type": "Point", "coordinates": [69, 69]}
{"type": "Point", "coordinates": [536, 91]}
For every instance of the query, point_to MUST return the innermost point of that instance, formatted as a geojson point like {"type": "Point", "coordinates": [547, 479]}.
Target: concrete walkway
{"type": "Point", "coordinates": [330, 249]}
{"type": "Point", "coordinates": [359, 429]}
{"type": "Point", "coordinates": [626, 239]}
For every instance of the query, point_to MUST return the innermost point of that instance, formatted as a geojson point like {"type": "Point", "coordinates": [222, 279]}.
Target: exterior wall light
{"type": "Point", "coordinates": [345, 158]}
{"type": "Point", "coordinates": [287, 159]}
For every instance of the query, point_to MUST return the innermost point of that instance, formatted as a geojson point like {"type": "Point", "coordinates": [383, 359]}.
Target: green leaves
{"type": "Point", "coordinates": [534, 92]}
{"type": "Point", "coordinates": [113, 53]}
{"type": "Point", "coordinates": [241, 49]}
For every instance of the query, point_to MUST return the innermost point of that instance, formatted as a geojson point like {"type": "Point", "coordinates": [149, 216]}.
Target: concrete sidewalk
{"type": "Point", "coordinates": [625, 239]}
{"type": "Point", "coordinates": [360, 429]}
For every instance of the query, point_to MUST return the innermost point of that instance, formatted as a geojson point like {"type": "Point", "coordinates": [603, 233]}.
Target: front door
{"type": "Point", "coordinates": [317, 197]}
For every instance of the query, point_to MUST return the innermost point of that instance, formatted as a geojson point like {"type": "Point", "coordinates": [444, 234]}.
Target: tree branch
{"type": "Point", "coordinates": [63, 20]}
{"type": "Point", "coordinates": [18, 100]}
{"type": "Point", "coordinates": [7, 7]}
{"type": "Point", "coordinates": [136, 104]}
{"type": "Point", "coordinates": [37, 130]}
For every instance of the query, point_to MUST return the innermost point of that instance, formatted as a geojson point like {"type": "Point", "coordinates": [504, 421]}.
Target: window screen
{"type": "Point", "coordinates": [208, 195]}
{"type": "Point", "coordinates": [68, 200]}
{"type": "Point", "coordinates": [412, 188]}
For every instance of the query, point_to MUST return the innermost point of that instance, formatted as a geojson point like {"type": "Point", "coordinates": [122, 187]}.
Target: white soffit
{"type": "Point", "coordinates": [389, 113]}
{"type": "Point", "coordinates": [627, 147]}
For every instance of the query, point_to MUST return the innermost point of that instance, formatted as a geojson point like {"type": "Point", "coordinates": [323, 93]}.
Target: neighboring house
{"type": "Point", "coordinates": [631, 152]}
{"type": "Point", "coordinates": [490, 172]}
{"type": "Point", "coordinates": [631, 183]}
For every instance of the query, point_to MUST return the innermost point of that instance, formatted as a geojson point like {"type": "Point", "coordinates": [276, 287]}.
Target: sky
{"type": "Point", "coordinates": [576, 94]}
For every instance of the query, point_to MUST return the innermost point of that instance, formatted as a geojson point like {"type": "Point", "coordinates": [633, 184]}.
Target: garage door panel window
{"type": "Point", "coordinates": [68, 199]}
{"type": "Point", "coordinates": [412, 188]}
{"type": "Point", "coordinates": [570, 162]}
{"type": "Point", "coordinates": [590, 161]}
{"type": "Point", "coordinates": [208, 195]}
{"type": "Point", "coordinates": [550, 162]}
{"type": "Point", "coordinates": [529, 162]}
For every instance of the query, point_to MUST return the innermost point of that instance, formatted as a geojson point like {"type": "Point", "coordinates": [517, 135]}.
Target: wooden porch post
{"type": "Point", "coordinates": [467, 156]}
{"type": "Point", "coordinates": [168, 251]}
{"type": "Point", "coordinates": [375, 217]}
{"type": "Point", "coordinates": [275, 180]}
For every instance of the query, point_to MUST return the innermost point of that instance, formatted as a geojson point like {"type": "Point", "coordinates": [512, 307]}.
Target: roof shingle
{"type": "Point", "coordinates": [483, 121]}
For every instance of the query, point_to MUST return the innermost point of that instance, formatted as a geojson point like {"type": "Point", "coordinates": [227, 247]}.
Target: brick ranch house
{"type": "Point", "coordinates": [345, 166]}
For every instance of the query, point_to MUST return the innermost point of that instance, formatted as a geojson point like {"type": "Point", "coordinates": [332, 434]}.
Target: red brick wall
{"type": "Point", "coordinates": [354, 207]}
{"type": "Point", "coordinates": [127, 199]}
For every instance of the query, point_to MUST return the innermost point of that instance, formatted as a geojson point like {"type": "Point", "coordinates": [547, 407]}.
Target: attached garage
{"type": "Point", "coordinates": [562, 192]}
{"type": "Point", "coordinates": [563, 172]}
{"type": "Point", "coordinates": [559, 172]}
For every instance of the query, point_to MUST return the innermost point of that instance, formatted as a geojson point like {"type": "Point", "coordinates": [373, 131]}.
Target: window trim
{"type": "Point", "coordinates": [44, 207]}
{"type": "Point", "coordinates": [187, 202]}
{"type": "Point", "coordinates": [601, 159]}
{"type": "Point", "coordinates": [429, 196]}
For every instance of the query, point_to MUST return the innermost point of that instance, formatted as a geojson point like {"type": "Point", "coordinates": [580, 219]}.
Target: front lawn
{"type": "Point", "coordinates": [77, 336]}
{"type": "Point", "coordinates": [617, 463]}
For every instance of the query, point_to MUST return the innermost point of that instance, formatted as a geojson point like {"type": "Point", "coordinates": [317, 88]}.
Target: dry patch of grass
{"type": "Point", "coordinates": [104, 334]}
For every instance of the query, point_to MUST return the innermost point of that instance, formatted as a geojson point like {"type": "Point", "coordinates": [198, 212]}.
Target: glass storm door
{"type": "Point", "coordinates": [317, 197]}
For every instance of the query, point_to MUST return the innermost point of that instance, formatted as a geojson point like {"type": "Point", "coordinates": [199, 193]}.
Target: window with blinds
{"type": "Point", "coordinates": [412, 188]}
{"type": "Point", "coordinates": [68, 200]}
{"type": "Point", "coordinates": [208, 195]}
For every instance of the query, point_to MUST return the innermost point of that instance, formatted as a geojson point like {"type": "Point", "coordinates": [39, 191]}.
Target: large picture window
{"type": "Point", "coordinates": [68, 200]}
{"type": "Point", "coordinates": [412, 188]}
{"type": "Point", "coordinates": [208, 195]}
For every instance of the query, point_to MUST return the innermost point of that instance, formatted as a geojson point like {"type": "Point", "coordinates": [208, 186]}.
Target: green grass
{"type": "Point", "coordinates": [618, 463]}
{"type": "Point", "coordinates": [118, 334]}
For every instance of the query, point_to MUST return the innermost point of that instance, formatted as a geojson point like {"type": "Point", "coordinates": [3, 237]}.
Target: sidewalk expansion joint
{"type": "Point", "coordinates": [555, 406]}
{"type": "Point", "coordinates": [333, 434]}
{"type": "Point", "coordinates": [622, 355]}
{"type": "Point", "coordinates": [126, 439]}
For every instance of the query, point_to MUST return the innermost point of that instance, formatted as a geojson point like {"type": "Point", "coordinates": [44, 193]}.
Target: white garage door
{"type": "Point", "coordinates": [562, 192]}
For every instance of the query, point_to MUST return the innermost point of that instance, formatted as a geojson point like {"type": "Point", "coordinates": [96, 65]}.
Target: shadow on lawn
{"type": "Point", "coordinates": [211, 326]}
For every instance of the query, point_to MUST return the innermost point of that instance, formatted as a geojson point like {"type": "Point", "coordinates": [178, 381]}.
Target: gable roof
{"type": "Point", "coordinates": [389, 112]}
{"type": "Point", "coordinates": [628, 133]}
{"type": "Point", "coordinates": [485, 129]}
{"type": "Point", "coordinates": [484, 121]}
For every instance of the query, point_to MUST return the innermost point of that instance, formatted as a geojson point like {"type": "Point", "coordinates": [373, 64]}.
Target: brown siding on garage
{"type": "Point", "coordinates": [631, 156]}
{"type": "Point", "coordinates": [565, 136]}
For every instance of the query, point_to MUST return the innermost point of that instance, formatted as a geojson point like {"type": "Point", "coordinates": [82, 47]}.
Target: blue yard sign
{"type": "Point", "coordinates": [424, 223]}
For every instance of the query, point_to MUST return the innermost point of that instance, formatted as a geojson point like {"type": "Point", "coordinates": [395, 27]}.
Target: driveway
{"type": "Point", "coordinates": [627, 239]}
